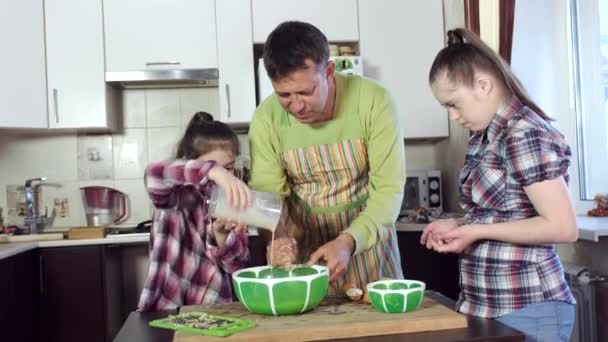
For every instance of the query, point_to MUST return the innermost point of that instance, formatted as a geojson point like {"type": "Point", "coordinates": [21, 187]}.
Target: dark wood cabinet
{"type": "Point", "coordinates": [438, 271]}
{"type": "Point", "coordinates": [7, 318]}
{"type": "Point", "coordinates": [27, 295]}
{"type": "Point", "coordinates": [80, 297]}
{"type": "Point", "coordinates": [72, 305]}
{"type": "Point", "coordinates": [19, 297]}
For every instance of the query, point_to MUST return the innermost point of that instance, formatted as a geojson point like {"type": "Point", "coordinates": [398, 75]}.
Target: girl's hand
{"type": "Point", "coordinates": [439, 226]}
{"type": "Point", "coordinates": [457, 240]}
{"type": "Point", "coordinates": [431, 233]}
{"type": "Point", "coordinates": [238, 195]}
{"type": "Point", "coordinates": [222, 227]}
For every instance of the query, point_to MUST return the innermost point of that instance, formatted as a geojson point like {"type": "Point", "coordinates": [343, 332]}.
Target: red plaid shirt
{"type": "Point", "coordinates": [186, 265]}
{"type": "Point", "coordinates": [517, 149]}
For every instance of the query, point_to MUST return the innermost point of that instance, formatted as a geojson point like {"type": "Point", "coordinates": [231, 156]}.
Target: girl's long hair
{"type": "Point", "coordinates": [466, 53]}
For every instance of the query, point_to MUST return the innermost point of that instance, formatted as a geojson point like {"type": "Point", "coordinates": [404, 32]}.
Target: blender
{"type": "Point", "coordinates": [103, 206]}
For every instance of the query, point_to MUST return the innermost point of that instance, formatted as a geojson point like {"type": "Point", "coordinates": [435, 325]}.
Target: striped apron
{"type": "Point", "coordinates": [329, 189]}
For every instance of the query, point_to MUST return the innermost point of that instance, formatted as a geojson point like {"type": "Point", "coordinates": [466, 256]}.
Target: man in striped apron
{"type": "Point", "coordinates": [331, 143]}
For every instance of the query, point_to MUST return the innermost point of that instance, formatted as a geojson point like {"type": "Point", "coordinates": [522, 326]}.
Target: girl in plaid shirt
{"type": "Point", "coordinates": [191, 259]}
{"type": "Point", "coordinates": [513, 188]}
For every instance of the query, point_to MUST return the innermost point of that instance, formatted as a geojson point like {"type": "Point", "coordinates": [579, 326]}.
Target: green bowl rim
{"type": "Point", "coordinates": [322, 271]}
{"type": "Point", "coordinates": [370, 286]}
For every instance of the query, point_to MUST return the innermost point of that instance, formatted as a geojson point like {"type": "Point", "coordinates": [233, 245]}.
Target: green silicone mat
{"type": "Point", "coordinates": [203, 324]}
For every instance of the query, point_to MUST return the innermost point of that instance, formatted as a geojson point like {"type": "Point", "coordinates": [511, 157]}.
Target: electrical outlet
{"type": "Point", "coordinates": [60, 207]}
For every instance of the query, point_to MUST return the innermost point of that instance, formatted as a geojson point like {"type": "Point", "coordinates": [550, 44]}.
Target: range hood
{"type": "Point", "coordinates": [167, 78]}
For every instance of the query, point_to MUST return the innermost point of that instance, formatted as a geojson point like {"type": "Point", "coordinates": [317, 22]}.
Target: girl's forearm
{"type": "Point", "coordinates": [531, 231]}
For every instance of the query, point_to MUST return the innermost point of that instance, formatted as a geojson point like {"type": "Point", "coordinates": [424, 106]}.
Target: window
{"type": "Point", "coordinates": [589, 34]}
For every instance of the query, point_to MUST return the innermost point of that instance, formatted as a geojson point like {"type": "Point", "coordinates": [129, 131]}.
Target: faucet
{"type": "Point", "coordinates": [32, 220]}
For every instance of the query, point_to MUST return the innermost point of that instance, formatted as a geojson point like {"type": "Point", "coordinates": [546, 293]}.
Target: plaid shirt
{"type": "Point", "coordinates": [186, 265]}
{"type": "Point", "coordinates": [517, 149]}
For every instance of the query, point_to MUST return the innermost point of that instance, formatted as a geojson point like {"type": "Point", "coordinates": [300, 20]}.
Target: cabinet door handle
{"type": "Point", "coordinates": [162, 63]}
{"type": "Point", "coordinates": [55, 104]}
{"type": "Point", "coordinates": [229, 109]}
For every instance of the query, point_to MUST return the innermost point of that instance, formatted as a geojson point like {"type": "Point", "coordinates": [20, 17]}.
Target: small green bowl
{"type": "Point", "coordinates": [396, 296]}
{"type": "Point", "coordinates": [275, 291]}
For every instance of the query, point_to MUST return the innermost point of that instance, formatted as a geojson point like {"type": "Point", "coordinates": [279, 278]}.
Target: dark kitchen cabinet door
{"type": "Point", "coordinates": [19, 297]}
{"type": "Point", "coordinates": [8, 302]}
{"type": "Point", "coordinates": [439, 271]}
{"type": "Point", "coordinates": [72, 300]}
{"type": "Point", "coordinates": [27, 295]}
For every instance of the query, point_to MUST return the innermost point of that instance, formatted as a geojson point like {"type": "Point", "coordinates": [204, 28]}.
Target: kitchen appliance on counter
{"type": "Point", "coordinates": [423, 190]}
{"type": "Point", "coordinates": [103, 206]}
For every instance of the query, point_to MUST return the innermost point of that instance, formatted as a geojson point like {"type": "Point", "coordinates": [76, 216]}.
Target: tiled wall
{"type": "Point", "coordinates": [153, 121]}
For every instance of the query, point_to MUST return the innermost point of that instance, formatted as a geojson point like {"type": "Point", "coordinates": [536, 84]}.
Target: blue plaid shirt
{"type": "Point", "coordinates": [517, 149]}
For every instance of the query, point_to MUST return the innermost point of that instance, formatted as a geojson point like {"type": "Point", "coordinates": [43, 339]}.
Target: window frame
{"type": "Point", "coordinates": [583, 33]}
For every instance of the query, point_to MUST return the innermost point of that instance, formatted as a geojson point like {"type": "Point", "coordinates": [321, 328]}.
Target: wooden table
{"type": "Point", "coordinates": [136, 329]}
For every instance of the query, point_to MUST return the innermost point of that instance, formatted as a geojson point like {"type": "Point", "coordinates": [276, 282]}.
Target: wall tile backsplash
{"type": "Point", "coordinates": [95, 157]}
{"type": "Point", "coordinates": [194, 100]}
{"type": "Point", "coordinates": [134, 108]}
{"type": "Point", "coordinates": [130, 153]}
{"type": "Point", "coordinates": [153, 122]}
{"type": "Point", "coordinates": [163, 108]}
{"type": "Point", "coordinates": [162, 142]}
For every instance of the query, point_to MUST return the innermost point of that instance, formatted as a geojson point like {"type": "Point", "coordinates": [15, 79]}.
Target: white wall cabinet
{"type": "Point", "coordinates": [76, 88]}
{"type": "Point", "coordinates": [337, 19]}
{"type": "Point", "coordinates": [160, 34]}
{"type": "Point", "coordinates": [23, 89]}
{"type": "Point", "coordinates": [235, 57]}
{"type": "Point", "coordinates": [398, 43]}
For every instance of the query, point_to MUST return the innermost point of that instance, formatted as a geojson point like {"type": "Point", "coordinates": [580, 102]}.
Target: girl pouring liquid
{"type": "Point", "coordinates": [191, 258]}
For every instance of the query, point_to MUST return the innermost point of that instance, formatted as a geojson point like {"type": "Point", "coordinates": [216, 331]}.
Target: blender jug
{"type": "Point", "coordinates": [103, 206]}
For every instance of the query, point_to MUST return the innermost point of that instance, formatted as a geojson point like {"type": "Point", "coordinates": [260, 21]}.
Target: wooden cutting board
{"type": "Point", "coordinates": [332, 319]}
{"type": "Point", "coordinates": [87, 233]}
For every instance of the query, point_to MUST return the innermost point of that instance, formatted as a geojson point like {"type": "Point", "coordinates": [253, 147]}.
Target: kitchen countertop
{"type": "Point", "coordinates": [592, 228]}
{"type": "Point", "coordinates": [10, 249]}
{"type": "Point", "coordinates": [136, 329]}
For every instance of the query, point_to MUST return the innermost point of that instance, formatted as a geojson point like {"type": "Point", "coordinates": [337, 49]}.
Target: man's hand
{"type": "Point", "coordinates": [337, 254]}
{"type": "Point", "coordinates": [282, 253]}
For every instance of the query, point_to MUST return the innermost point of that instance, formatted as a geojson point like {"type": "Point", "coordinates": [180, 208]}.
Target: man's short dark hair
{"type": "Point", "coordinates": [290, 44]}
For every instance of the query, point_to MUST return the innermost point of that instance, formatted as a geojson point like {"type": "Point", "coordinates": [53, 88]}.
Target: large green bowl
{"type": "Point", "coordinates": [396, 296]}
{"type": "Point", "coordinates": [268, 290]}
